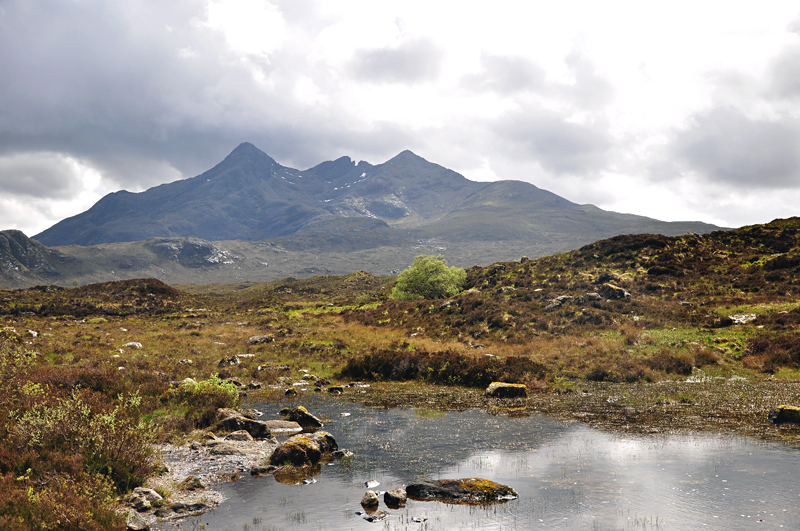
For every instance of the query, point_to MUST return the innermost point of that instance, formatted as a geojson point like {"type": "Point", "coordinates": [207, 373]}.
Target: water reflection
{"type": "Point", "coordinates": [567, 476]}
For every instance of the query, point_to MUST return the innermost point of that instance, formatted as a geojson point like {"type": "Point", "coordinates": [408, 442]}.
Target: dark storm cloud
{"type": "Point", "coordinates": [146, 94]}
{"type": "Point", "coordinates": [725, 146]}
{"type": "Point", "coordinates": [558, 145]}
{"type": "Point", "coordinates": [411, 62]}
{"type": "Point", "coordinates": [41, 175]}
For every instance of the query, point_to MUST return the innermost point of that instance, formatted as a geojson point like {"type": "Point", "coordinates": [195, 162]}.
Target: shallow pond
{"type": "Point", "coordinates": [567, 476]}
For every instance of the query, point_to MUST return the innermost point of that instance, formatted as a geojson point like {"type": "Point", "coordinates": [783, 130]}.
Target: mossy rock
{"type": "Point", "coordinates": [467, 490]}
{"type": "Point", "coordinates": [298, 450]}
{"type": "Point", "coordinates": [785, 415]}
{"type": "Point", "coordinates": [507, 390]}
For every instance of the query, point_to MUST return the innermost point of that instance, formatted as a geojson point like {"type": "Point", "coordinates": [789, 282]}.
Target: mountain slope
{"type": "Point", "coordinates": [249, 196]}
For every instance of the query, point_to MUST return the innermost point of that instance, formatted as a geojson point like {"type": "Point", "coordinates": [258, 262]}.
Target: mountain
{"type": "Point", "coordinates": [249, 196]}
{"type": "Point", "coordinates": [24, 262]}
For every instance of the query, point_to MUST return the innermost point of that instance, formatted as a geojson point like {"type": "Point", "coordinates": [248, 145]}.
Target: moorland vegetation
{"type": "Point", "coordinates": [647, 333]}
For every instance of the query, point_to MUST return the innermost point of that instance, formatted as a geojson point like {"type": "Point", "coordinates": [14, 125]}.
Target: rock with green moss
{"type": "Point", "coordinates": [507, 390]}
{"type": "Point", "coordinates": [468, 490]}
{"type": "Point", "coordinates": [304, 449]}
{"type": "Point", "coordinates": [301, 416]}
{"type": "Point", "coordinates": [785, 415]}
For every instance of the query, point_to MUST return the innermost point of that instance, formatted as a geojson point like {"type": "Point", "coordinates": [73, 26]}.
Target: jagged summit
{"type": "Point", "coordinates": [250, 196]}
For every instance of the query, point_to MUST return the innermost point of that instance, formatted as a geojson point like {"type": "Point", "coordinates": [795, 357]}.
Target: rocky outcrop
{"type": "Point", "coordinates": [785, 415]}
{"type": "Point", "coordinates": [469, 490]}
{"type": "Point", "coordinates": [507, 390]}
{"type": "Point", "coordinates": [230, 420]}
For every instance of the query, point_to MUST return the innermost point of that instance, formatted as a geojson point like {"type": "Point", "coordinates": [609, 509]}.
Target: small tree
{"type": "Point", "coordinates": [429, 278]}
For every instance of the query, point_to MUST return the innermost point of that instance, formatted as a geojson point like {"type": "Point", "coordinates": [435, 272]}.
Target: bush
{"type": "Point", "coordinates": [429, 278]}
{"type": "Point", "coordinates": [204, 397]}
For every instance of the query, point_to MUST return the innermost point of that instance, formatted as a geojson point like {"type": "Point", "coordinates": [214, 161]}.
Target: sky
{"type": "Point", "coordinates": [674, 110]}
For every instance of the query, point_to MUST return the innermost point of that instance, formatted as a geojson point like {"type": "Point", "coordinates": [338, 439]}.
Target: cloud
{"type": "Point", "coordinates": [506, 75]}
{"type": "Point", "coordinates": [45, 175]}
{"type": "Point", "coordinates": [726, 146]}
{"type": "Point", "coordinates": [413, 61]}
{"type": "Point", "coordinates": [558, 145]}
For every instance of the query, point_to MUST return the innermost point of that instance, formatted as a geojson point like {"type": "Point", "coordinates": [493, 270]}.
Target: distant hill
{"type": "Point", "coordinates": [249, 196]}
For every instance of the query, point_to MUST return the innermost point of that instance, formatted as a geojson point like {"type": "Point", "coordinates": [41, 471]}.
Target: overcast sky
{"type": "Point", "coordinates": [674, 110]}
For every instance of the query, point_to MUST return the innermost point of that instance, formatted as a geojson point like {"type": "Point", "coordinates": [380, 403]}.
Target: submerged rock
{"type": "Point", "coordinates": [785, 415]}
{"type": "Point", "coordinates": [468, 490]}
{"type": "Point", "coordinates": [507, 390]}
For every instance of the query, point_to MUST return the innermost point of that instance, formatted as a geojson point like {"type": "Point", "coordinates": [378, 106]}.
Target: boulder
{"type": "Point", "coordinates": [301, 416]}
{"type": "Point", "coordinates": [298, 450]}
{"type": "Point", "coordinates": [241, 435]}
{"type": "Point", "coordinates": [230, 420]}
{"type": "Point", "coordinates": [303, 449]}
{"type": "Point", "coordinates": [785, 415]}
{"type": "Point", "coordinates": [395, 498]}
{"type": "Point", "coordinates": [507, 390]}
{"type": "Point", "coordinates": [136, 523]}
{"type": "Point", "coordinates": [327, 444]}
{"type": "Point", "coordinates": [257, 340]}
{"type": "Point", "coordinates": [610, 291]}
{"type": "Point", "coordinates": [142, 499]}
{"type": "Point", "coordinates": [223, 448]}
{"type": "Point", "coordinates": [468, 490]}
{"type": "Point", "coordinates": [593, 297]}
{"type": "Point", "coordinates": [370, 499]}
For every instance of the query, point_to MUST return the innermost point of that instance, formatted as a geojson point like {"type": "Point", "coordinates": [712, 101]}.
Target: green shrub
{"type": "Point", "coordinates": [429, 278]}
{"type": "Point", "coordinates": [203, 398]}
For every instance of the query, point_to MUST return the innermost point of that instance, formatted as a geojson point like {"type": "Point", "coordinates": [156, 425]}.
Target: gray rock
{"type": "Point", "coordinates": [395, 498]}
{"type": "Point", "coordinates": [241, 435]}
{"type": "Point", "coordinates": [370, 499]}
{"type": "Point", "coordinates": [222, 448]}
{"type": "Point", "coordinates": [142, 499]}
{"type": "Point", "coordinates": [230, 420]}
{"type": "Point", "coordinates": [136, 523]}
{"type": "Point", "coordinates": [257, 340]}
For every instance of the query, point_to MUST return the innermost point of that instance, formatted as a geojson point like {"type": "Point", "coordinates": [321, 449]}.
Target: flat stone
{"type": "Point", "coordinates": [468, 490]}
{"type": "Point", "coordinates": [507, 390]}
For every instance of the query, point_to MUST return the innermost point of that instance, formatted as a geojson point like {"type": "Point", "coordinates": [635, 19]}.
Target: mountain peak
{"type": "Point", "coordinates": [246, 150]}
{"type": "Point", "coordinates": [406, 156]}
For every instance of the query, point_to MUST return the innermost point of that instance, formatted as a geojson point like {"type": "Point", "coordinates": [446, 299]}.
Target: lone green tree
{"type": "Point", "coordinates": [429, 278]}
